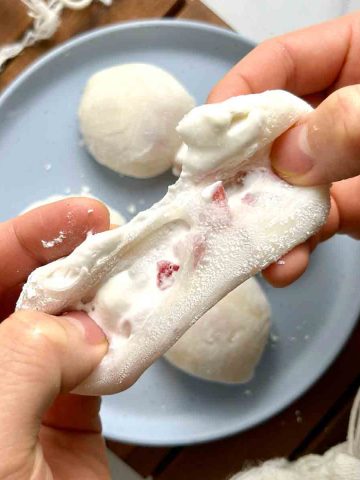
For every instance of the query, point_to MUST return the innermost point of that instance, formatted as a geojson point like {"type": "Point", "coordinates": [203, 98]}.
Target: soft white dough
{"type": "Point", "coordinates": [226, 344]}
{"type": "Point", "coordinates": [227, 217]}
{"type": "Point", "coordinates": [115, 216]}
{"type": "Point", "coordinates": [128, 116]}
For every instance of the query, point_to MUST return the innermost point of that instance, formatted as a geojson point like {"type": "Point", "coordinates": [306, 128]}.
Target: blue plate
{"type": "Point", "coordinates": [42, 155]}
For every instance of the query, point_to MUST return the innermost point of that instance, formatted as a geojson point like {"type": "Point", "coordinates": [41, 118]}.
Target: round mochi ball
{"type": "Point", "coordinates": [128, 115]}
{"type": "Point", "coordinates": [226, 344]}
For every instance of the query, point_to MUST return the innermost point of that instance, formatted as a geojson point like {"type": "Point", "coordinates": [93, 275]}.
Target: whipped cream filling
{"type": "Point", "coordinates": [226, 218]}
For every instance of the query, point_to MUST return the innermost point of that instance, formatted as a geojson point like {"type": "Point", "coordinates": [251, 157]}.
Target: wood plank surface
{"type": "Point", "coordinates": [13, 20]}
{"type": "Point", "coordinates": [280, 436]}
{"type": "Point", "coordinates": [332, 429]}
{"type": "Point", "coordinates": [73, 22]}
{"type": "Point", "coordinates": [122, 450]}
{"type": "Point", "coordinates": [145, 460]}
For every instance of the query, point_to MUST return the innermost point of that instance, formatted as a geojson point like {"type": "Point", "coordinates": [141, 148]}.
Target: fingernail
{"type": "Point", "coordinates": [290, 155]}
{"type": "Point", "coordinates": [88, 328]}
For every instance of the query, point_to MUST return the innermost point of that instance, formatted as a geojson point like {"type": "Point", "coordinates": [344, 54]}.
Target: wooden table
{"type": "Point", "coordinates": [315, 421]}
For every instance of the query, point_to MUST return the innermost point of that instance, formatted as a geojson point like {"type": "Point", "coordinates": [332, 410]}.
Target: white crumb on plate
{"type": "Point", "coordinates": [85, 189]}
{"type": "Point", "coordinates": [131, 208]}
{"type": "Point", "coordinates": [274, 338]}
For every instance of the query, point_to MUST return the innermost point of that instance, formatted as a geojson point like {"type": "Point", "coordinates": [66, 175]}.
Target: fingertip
{"type": "Point", "coordinates": [90, 330]}
{"type": "Point", "coordinates": [92, 212]}
{"type": "Point", "coordinates": [231, 85]}
{"type": "Point", "coordinates": [289, 268]}
{"type": "Point", "coordinates": [332, 224]}
{"type": "Point", "coordinates": [221, 92]}
{"type": "Point", "coordinates": [289, 157]}
{"type": "Point", "coordinates": [54, 230]}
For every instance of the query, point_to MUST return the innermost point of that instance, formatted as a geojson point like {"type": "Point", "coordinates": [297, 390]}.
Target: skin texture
{"type": "Point", "coordinates": [325, 145]}
{"type": "Point", "coordinates": [45, 431]}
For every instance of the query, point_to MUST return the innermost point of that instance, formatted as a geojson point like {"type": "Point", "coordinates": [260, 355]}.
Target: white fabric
{"type": "Point", "coordinates": [339, 463]}
{"type": "Point", "coordinates": [46, 15]}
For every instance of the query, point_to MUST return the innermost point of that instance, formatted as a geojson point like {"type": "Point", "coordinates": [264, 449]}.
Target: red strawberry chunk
{"type": "Point", "coordinates": [199, 248]}
{"type": "Point", "coordinates": [165, 270]}
{"type": "Point", "coordinates": [219, 195]}
{"type": "Point", "coordinates": [249, 199]}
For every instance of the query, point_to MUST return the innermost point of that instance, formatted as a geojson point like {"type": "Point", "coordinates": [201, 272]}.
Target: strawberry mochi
{"type": "Point", "coordinates": [227, 217]}
{"type": "Point", "coordinates": [127, 116]}
{"type": "Point", "coordinates": [226, 343]}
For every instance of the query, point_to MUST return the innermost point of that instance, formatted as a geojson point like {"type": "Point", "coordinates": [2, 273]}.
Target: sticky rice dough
{"type": "Point", "coordinates": [226, 344]}
{"type": "Point", "coordinates": [128, 115]}
{"type": "Point", "coordinates": [226, 218]}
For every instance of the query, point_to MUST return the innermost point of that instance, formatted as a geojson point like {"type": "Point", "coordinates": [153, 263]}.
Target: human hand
{"type": "Point", "coordinates": [320, 64]}
{"type": "Point", "coordinates": [45, 431]}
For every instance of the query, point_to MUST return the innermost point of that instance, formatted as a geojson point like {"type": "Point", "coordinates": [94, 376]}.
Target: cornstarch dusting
{"type": "Point", "coordinates": [54, 241]}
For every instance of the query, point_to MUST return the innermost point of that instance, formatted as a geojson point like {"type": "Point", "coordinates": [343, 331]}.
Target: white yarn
{"type": "Point", "coordinates": [353, 436]}
{"type": "Point", "coordinates": [46, 15]}
{"type": "Point", "coordinates": [341, 462]}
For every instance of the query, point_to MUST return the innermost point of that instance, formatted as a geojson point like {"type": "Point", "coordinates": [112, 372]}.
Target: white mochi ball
{"type": "Point", "coordinates": [128, 114]}
{"type": "Point", "coordinates": [226, 344]}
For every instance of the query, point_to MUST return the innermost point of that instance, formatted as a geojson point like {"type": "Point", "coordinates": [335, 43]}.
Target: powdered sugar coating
{"type": "Point", "coordinates": [226, 344]}
{"type": "Point", "coordinates": [127, 116]}
{"type": "Point", "coordinates": [217, 241]}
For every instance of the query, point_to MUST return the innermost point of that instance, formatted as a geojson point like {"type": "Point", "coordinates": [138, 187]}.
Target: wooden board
{"type": "Point", "coordinates": [73, 22]}
{"type": "Point", "coordinates": [13, 20]}
{"type": "Point", "coordinates": [281, 436]}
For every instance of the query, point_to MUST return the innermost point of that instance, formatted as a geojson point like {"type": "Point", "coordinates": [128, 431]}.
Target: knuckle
{"type": "Point", "coordinates": [347, 105]}
{"type": "Point", "coordinates": [281, 51]}
{"type": "Point", "coordinates": [27, 348]}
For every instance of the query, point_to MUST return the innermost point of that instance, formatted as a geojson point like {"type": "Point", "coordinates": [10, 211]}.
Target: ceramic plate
{"type": "Point", "coordinates": [42, 155]}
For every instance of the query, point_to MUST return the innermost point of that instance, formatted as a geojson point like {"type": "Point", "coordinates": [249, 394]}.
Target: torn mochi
{"type": "Point", "coordinates": [227, 217]}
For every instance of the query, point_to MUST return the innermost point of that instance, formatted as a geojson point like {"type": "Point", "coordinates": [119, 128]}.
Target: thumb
{"type": "Point", "coordinates": [41, 356]}
{"type": "Point", "coordinates": [325, 146]}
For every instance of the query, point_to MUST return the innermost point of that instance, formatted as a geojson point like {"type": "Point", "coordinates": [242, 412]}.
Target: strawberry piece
{"type": "Point", "coordinates": [249, 199]}
{"type": "Point", "coordinates": [165, 270]}
{"type": "Point", "coordinates": [219, 195]}
{"type": "Point", "coordinates": [199, 248]}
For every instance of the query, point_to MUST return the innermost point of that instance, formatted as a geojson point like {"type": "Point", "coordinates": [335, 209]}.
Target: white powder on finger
{"type": "Point", "coordinates": [116, 218]}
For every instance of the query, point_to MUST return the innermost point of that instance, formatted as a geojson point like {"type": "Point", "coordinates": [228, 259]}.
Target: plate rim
{"type": "Point", "coordinates": [197, 26]}
{"type": "Point", "coordinates": [84, 37]}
